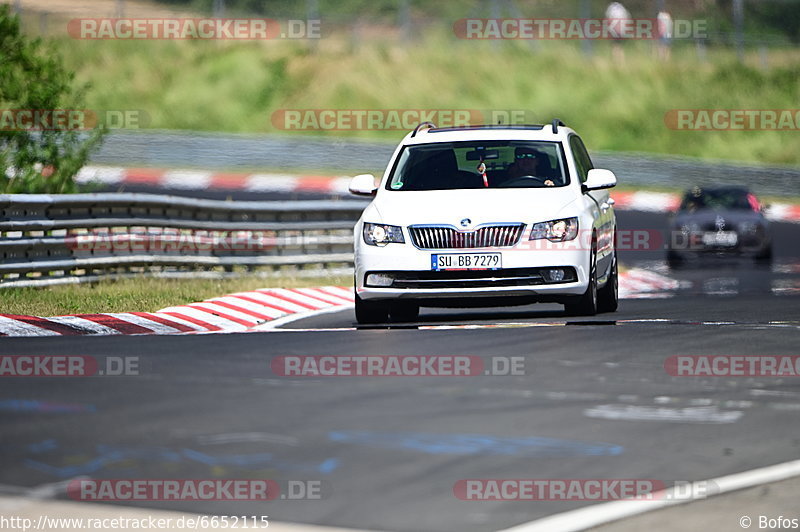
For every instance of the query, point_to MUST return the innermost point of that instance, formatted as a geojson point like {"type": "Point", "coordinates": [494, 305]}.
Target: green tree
{"type": "Point", "coordinates": [33, 78]}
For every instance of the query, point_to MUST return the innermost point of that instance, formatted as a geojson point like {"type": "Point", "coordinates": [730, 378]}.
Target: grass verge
{"type": "Point", "coordinates": [145, 294]}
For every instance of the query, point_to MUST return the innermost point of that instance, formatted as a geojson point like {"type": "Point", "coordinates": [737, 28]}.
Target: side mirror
{"type": "Point", "coordinates": [599, 179]}
{"type": "Point", "coordinates": [363, 185]}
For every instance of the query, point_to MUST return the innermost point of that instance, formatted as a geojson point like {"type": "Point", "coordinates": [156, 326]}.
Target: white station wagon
{"type": "Point", "coordinates": [486, 216]}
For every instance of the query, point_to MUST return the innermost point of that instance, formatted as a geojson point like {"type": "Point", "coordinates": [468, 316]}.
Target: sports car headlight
{"type": "Point", "coordinates": [556, 230]}
{"type": "Point", "coordinates": [748, 227]}
{"type": "Point", "coordinates": [690, 228]}
{"type": "Point", "coordinates": [382, 234]}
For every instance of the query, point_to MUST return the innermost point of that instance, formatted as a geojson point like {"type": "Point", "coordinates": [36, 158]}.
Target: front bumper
{"type": "Point", "coordinates": [693, 246]}
{"type": "Point", "coordinates": [523, 275]}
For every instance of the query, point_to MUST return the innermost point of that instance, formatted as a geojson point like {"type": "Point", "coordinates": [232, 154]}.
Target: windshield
{"type": "Point", "coordinates": [723, 199]}
{"type": "Point", "coordinates": [494, 164]}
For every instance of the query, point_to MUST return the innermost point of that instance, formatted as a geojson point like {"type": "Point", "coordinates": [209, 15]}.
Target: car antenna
{"type": "Point", "coordinates": [556, 123]}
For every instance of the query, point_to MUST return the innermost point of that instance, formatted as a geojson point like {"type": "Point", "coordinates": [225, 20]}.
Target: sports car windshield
{"type": "Point", "coordinates": [469, 165]}
{"type": "Point", "coordinates": [722, 199]}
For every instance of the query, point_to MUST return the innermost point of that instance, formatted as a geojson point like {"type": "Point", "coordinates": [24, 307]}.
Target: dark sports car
{"type": "Point", "coordinates": [719, 221]}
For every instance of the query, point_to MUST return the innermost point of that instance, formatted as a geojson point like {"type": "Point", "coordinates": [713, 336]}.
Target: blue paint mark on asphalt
{"type": "Point", "coordinates": [43, 446]}
{"type": "Point", "coordinates": [22, 405]}
{"type": "Point", "coordinates": [476, 444]}
{"type": "Point", "coordinates": [329, 465]}
{"type": "Point", "coordinates": [107, 455]}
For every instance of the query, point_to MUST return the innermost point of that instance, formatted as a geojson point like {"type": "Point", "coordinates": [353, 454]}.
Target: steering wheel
{"type": "Point", "coordinates": [522, 180]}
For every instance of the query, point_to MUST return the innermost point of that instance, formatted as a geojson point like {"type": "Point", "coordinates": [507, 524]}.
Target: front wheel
{"type": "Point", "coordinates": [586, 305]}
{"type": "Point", "coordinates": [371, 312]}
{"type": "Point", "coordinates": [608, 296]}
{"type": "Point", "coordinates": [765, 257]}
{"type": "Point", "coordinates": [404, 311]}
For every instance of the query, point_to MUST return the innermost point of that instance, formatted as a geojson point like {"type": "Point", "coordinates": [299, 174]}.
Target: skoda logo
{"type": "Point", "coordinates": [466, 222]}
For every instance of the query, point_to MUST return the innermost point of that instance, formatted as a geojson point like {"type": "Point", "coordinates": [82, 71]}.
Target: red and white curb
{"type": "Point", "coordinates": [256, 310]}
{"type": "Point", "coordinates": [199, 180]}
{"type": "Point", "coordinates": [666, 202]}
{"type": "Point", "coordinates": [286, 183]}
{"type": "Point", "coordinates": [645, 284]}
{"type": "Point", "coordinates": [232, 313]}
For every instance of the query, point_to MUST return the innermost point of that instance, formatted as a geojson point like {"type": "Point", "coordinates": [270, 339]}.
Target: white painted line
{"type": "Point", "coordinates": [247, 437]}
{"type": "Point", "coordinates": [710, 415]}
{"type": "Point", "coordinates": [603, 513]}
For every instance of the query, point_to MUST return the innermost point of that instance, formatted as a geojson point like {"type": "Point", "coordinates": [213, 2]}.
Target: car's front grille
{"type": "Point", "coordinates": [448, 237]}
{"type": "Point", "coordinates": [473, 279]}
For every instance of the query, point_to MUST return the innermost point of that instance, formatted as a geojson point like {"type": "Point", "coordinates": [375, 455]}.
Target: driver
{"type": "Point", "coordinates": [526, 163]}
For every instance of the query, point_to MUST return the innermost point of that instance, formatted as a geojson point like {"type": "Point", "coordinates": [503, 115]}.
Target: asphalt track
{"type": "Point", "coordinates": [594, 402]}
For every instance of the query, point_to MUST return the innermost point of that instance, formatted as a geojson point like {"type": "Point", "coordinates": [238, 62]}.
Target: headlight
{"type": "Point", "coordinates": [382, 234]}
{"type": "Point", "coordinates": [556, 230]}
{"type": "Point", "coordinates": [748, 227]}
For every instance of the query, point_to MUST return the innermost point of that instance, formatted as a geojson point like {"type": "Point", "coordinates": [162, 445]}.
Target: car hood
{"type": "Point", "coordinates": [709, 217]}
{"type": "Point", "coordinates": [479, 206]}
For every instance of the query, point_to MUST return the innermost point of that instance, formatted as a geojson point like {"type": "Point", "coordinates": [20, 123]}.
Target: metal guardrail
{"type": "Point", "coordinates": [50, 239]}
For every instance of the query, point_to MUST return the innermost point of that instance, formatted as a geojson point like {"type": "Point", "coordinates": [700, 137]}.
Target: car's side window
{"type": "Point", "coordinates": [582, 160]}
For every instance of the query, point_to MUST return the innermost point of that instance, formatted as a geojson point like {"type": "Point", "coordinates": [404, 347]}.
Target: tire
{"type": "Point", "coordinates": [404, 311]}
{"type": "Point", "coordinates": [674, 260]}
{"type": "Point", "coordinates": [371, 312]}
{"type": "Point", "coordinates": [765, 258]}
{"type": "Point", "coordinates": [586, 305]}
{"type": "Point", "coordinates": [608, 296]}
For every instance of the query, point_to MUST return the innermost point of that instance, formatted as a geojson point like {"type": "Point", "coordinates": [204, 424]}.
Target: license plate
{"type": "Point", "coordinates": [466, 261]}
{"type": "Point", "coordinates": [721, 238]}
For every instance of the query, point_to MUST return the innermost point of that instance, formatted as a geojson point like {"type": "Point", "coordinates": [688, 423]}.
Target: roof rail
{"type": "Point", "coordinates": [556, 123]}
{"type": "Point", "coordinates": [429, 125]}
